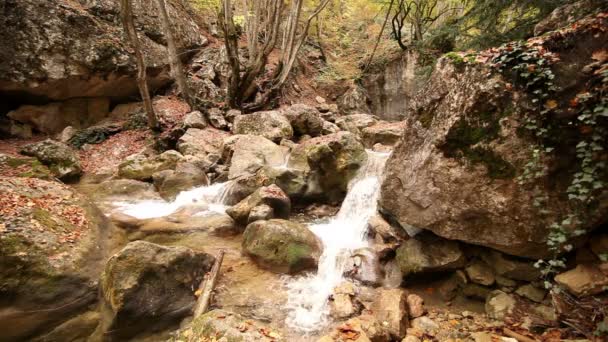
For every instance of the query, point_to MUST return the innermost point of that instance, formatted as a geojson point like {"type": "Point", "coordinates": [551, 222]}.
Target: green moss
{"type": "Point", "coordinates": [294, 253]}
{"type": "Point", "coordinates": [455, 58]}
{"type": "Point", "coordinates": [481, 128]}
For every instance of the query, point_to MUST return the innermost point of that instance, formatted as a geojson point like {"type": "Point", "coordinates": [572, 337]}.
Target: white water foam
{"type": "Point", "coordinates": [307, 302]}
{"type": "Point", "coordinates": [211, 196]}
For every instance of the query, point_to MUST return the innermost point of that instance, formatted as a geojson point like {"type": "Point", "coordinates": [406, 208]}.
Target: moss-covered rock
{"type": "Point", "coordinates": [140, 167]}
{"type": "Point", "coordinates": [281, 245]}
{"type": "Point", "coordinates": [23, 167]}
{"type": "Point", "coordinates": [147, 286]}
{"type": "Point", "coordinates": [58, 157]}
{"type": "Point", "coordinates": [52, 244]}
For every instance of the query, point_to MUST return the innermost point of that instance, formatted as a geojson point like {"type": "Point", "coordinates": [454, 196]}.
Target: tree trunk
{"type": "Point", "coordinates": [177, 69]}
{"type": "Point", "coordinates": [129, 26]}
{"type": "Point", "coordinates": [232, 51]}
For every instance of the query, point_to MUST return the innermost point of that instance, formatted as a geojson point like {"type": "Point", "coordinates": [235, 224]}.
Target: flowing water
{"type": "Point", "coordinates": [211, 198]}
{"type": "Point", "coordinates": [307, 302]}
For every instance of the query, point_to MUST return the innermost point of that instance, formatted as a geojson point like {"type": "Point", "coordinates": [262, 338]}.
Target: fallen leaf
{"type": "Point", "coordinates": [551, 104]}
{"type": "Point", "coordinates": [198, 293]}
{"type": "Point", "coordinates": [600, 55]}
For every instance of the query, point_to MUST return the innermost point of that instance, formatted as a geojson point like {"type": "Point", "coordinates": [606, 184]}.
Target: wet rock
{"type": "Point", "coordinates": [390, 309]}
{"type": "Point", "coordinates": [329, 162]}
{"type": "Point", "coordinates": [202, 142]}
{"type": "Point", "coordinates": [321, 210]}
{"type": "Point", "coordinates": [140, 167]}
{"type": "Point", "coordinates": [179, 223]}
{"type": "Point", "coordinates": [415, 305]}
{"type": "Point", "coordinates": [385, 230]}
{"type": "Point", "coordinates": [499, 305]}
{"type": "Point", "coordinates": [251, 153]}
{"type": "Point", "coordinates": [385, 133]}
{"type": "Point", "coordinates": [585, 280]}
{"type": "Point", "coordinates": [196, 120]}
{"type": "Point", "coordinates": [60, 158]}
{"type": "Point", "coordinates": [429, 254]}
{"type": "Point", "coordinates": [120, 188]}
{"type": "Point", "coordinates": [186, 176]}
{"type": "Point", "coordinates": [480, 273]}
{"type": "Point", "coordinates": [222, 325]}
{"type": "Point", "coordinates": [532, 293]}
{"type": "Point", "coordinates": [147, 287]}
{"type": "Point", "coordinates": [78, 328]}
{"type": "Point", "coordinates": [271, 125]}
{"type": "Point", "coordinates": [52, 243]}
{"type": "Point", "coordinates": [64, 50]}
{"type": "Point", "coordinates": [271, 196]}
{"type": "Point", "coordinates": [365, 266]}
{"type": "Point", "coordinates": [343, 303]}
{"type": "Point", "coordinates": [281, 245]}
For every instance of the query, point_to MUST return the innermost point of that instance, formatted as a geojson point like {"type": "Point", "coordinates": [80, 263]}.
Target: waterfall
{"type": "Point", "coordinates": [211, 197]}
{"type": "Point", "coordinates": [307, 302]}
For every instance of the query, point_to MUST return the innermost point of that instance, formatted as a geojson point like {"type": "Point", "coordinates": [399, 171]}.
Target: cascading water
{"type": "Point", "coordinates": [212, 197]}
{"type": "Point", "coordinates": [307, 302]}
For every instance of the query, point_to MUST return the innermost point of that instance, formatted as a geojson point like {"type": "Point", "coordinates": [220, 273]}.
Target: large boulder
{"type": "Point", "coordinates": [147, 287]}
{"type": "Point", "coordinates": [201, 142]}
{"type": "Point", "coordinates": [281, 245]}
{"type": "Point", "coordinates": [455, 170]}
{"type": "Point", "coordinates": [429, 255]}
{"type": "Point", "coordinates": [141, 167]}
{"type": "Point", "coordinates": [271, 196]}
{"type": "Point", "coordinates": [60, 158]}
{"type": "Point", "coordinates": [60, 50]}
{"type": "Point", "coordinates": [304, 119]}
{"type": "Point", "coordinates": [272, 125]}
{"type": "Point", "coordinates": [252, 152]}
{"type": "Point", "coordinates": [355, 123]}
{"type": "Point", "coordinates": [52, 244]}
{"type": "Point", "coordinates": [385, 133]}
{"type": "Point", "coordinates": [170, 183]}
{"type": "Point", "coordinates": [330, 162]}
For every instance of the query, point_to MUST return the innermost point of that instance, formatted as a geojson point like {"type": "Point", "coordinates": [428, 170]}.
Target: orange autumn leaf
{"type": "Point", "coordinates": [574, 102]}
{"type": "Point", "coordinates": [551, 104]}
{"type": "Point", "coordinates": [600, 55]}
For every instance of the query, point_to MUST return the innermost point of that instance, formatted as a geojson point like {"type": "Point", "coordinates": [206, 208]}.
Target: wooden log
{"type": "Point", "coordinates": [207, 285]}
{"type": "Point", "coordinates": [518, 337]}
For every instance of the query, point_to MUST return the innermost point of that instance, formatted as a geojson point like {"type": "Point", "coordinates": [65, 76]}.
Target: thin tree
{"type": "Point", "coordinates": [371, 57]}
{"type": "Point", "coordinates": [129, 26]}
{"type": "Point", "coordinates": [177, 69]}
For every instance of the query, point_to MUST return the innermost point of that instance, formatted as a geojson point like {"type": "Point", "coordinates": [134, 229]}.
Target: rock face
{"type": "Point", "coordinates": [454, 171]}
{"type": "Point", "coordinates": [429, 255]}
{"type": "Point", "coordinates": [272, 125]}
{"type": "Point", "coordinates": [52, 242]}
{"type": "Point", "coordinates": [281, 245]}
{"type": "Point", "coordinates": [60, 158]}
{"type": "Point", "coordinates": [62, 50]}
{"type": "Point", "coordinates": [146, 285]}
{"type": "Point", "coordinates": [391, 89]}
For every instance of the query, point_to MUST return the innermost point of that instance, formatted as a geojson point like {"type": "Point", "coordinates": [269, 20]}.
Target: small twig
{"type": "Point", "coordinates": [519, 337]}
{"type": "Point", "coordinates": [207, 285]}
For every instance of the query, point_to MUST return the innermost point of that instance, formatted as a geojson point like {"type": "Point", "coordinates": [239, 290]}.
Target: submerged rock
{"type": "Point", "coordinates": [281, 245]}
{"type": "Point", "coordinates": [146, 287]}
{"type": "Point", "coordinates": [52, 243]}
{"type": "Point", "coordinates": [60, 158]}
